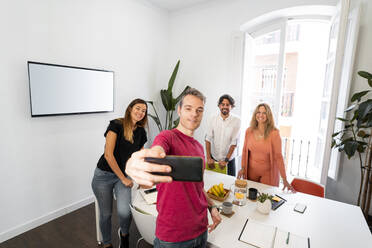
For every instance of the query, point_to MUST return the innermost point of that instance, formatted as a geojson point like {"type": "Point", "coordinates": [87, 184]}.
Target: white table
{"type": "Point", "coordinates": [328, 223]}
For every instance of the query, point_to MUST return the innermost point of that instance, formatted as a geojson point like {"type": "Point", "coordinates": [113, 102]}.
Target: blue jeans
{"type": "Point", "coordinates": [104, 183]}
{"type": "Point", "coordinates": [198, 242]}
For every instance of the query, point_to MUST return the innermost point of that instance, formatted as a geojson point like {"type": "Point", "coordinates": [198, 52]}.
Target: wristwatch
{"type": "Point", "coordinates": [226, 160]}
{"type": "Point", "coordinates": [211, 207]}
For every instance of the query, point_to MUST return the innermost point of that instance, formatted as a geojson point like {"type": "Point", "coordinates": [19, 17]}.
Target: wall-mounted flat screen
{"type": "Point", "coordinates": [62, 90]}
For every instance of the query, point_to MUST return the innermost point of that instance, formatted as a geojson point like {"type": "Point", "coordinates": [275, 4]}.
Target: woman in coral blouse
{"type": "Point", "coordinates": [262, 159]}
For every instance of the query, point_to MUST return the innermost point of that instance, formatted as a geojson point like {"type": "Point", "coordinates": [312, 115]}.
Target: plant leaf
{"type": "Point", "coordinates": [361, 134]}
{"type": "Point", "coordinates": [178, 98]}
{"type": "Point", "coordinates": [335, 134]}
{"type": "Point", "coordinates": [156, 119]}
{"type": "Point", "coordinates": [166, 99]}
{"type": "Point", "coordinates": [359, 95]}
{"type": "Point", "coordinates": [350, 147]}
{"type": "Point", "coordinates": [342, 119]}
{"type": "Point", "coordinates": [356, 114]}
{"type": "Point", "coordinates": [341, 148]}
{"type": "Point", "coordinates": [362, 143]}
{"type": "Point", "coordinates": [346, 140]}
{"type": "Point", "coordinates": [365, 108]}
{"type": "Point", "coordinates": [350, 108]}
{"type": "Point", "coordinates": [361, 148]}
{"type": "Point", "coordinates": [369, 123]}
{"type": "Point", "coordinates": [365, 74]}
{"type": "Point", "coordinates": [333, 143]}
{"type": "Point", "coordinates": [173, 77]}
{"type": "Point", "coordinates": [175, 123]}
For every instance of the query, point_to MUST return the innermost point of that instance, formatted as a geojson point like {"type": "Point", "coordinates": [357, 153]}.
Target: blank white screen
{"type": "Point", "coordinates": [64, 90]}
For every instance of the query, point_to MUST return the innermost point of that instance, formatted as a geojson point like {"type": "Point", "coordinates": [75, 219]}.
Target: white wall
{"type": "Point", "coordinates": [47, 163]}
{"type": "Point", "coordinates": [346, 188]}
{"type": "Point", "coordinates": [205, 39]}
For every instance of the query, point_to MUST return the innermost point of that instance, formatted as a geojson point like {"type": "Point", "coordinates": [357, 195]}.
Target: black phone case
{"type": "Point", "coordinates": [184, 168]}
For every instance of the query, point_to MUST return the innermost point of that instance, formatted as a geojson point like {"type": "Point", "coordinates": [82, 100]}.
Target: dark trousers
{"type": "Point", "coordinates": [231, 168]}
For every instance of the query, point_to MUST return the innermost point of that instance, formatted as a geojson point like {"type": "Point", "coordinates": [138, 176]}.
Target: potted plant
{"type": "Point", "coordinates": [264, 203]}
{"type": "Point", "coordinates": [355, 139]}
{"type": "Point", "coordinates": [169, 103]}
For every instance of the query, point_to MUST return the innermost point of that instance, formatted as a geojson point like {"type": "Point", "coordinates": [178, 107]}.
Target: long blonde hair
{"type": "Point", "coordinates": [269, 124]}
{"type": "Point", "coordinates": [127, 120]}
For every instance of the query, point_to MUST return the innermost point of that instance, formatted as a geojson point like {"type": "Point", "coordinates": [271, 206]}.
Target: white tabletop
{"type": "Point", "coordinates": [328, 223]}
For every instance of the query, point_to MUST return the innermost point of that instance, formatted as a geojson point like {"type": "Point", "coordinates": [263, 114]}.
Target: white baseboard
{"type": "Point", "coordinates": [44, 219]}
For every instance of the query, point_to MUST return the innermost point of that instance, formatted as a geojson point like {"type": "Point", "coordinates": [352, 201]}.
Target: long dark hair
{"type": "Point", "coordinates": [127, 120]}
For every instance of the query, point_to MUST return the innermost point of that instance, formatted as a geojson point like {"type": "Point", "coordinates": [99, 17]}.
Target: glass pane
{"type": "Point", "coordinates": [301, 100]}
{"type": "Point", "coordinates": [264, 69]}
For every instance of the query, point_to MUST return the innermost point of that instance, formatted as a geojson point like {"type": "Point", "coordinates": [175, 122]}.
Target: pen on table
{"type": "Point", "coordinates": [287, 241]}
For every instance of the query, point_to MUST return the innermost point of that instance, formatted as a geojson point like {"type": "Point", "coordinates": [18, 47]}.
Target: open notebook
{"type": "Point", "coordinates": [267, 236]}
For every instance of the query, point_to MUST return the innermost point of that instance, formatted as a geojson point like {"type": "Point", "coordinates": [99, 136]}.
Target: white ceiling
{"type": "Point", "coordinates": [173, 5]}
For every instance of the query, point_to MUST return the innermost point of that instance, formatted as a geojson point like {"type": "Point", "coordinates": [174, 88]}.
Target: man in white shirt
{"type": "Point", "coordinates": [222, 136]}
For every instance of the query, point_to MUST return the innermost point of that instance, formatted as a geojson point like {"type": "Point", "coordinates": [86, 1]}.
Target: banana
{"type": "Point", "coordinates": [221, 188]}
{"type": "Point", "coordinates": [217, 189]}
{"type": "Point", "coordinates": [214, 192]}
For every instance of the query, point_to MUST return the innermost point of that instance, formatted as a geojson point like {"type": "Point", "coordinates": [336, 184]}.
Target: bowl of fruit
{"type": "Point", "coordinates": [218, 192]}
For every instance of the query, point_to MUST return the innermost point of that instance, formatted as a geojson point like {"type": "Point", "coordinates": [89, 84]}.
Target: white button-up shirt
{"type": "Point", "coordinates": [222, 134]}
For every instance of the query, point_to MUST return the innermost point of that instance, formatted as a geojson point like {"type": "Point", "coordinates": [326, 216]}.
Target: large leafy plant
{"type": "Point", "coordinates": [355, 138]}
{"type": "Point", "coordinates": [169, 103]}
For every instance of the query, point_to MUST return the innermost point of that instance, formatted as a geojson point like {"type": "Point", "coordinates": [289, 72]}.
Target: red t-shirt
{"type": "Point", "coordinates": [182, 206]}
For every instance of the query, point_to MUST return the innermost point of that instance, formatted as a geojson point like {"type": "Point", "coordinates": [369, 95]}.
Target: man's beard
{"type": "Point", "coordinates": [225, 111]}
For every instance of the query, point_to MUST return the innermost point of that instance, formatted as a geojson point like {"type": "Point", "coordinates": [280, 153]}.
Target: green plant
{"type": "Point", "coordinates": [169, 103]}
{"type": "Point", "coordinates": [262, 197]}
{"type": "Point", "coordinates": [355, 138]}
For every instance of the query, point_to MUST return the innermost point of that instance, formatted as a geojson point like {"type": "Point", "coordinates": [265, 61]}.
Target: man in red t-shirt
{"type": "Point", "coordinates": [182, 206]}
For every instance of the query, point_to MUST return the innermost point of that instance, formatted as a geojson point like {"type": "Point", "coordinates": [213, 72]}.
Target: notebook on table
{"type": "Point", "coordinates": [263, 235]}
{"type": "Point", "coordinates": [149, 195]}
{"type": "Point", "coordinates": [277, 201]}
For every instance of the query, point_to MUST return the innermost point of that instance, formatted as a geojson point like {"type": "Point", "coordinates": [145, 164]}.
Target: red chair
{"type": "Point", "coordinates": [308, 187]}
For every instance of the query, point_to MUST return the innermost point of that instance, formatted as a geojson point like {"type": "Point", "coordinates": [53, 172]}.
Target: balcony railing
{"type": "Point", "coordinates": [296, 154]}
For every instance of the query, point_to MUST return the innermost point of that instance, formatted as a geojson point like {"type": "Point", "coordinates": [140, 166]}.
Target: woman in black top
{"type": "Point", "coordinates": [123, 137]}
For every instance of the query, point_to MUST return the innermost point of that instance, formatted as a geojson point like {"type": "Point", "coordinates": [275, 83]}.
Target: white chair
{"type": "Point", "coordinates": [98, 229]}
{"type": "Point", "coordinates": [145, 223]}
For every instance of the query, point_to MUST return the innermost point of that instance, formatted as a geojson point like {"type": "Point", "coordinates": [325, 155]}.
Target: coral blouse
{"type": "Point", "coordinates": [273, 144]}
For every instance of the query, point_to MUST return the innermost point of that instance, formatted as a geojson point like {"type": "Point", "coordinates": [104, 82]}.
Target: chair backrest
{"type": "Point", "coordinates": [308, 187]}
{"type": "Point", "coordinates": [145, 223]}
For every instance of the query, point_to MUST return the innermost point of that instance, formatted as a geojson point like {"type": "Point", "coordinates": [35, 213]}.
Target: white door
{"type": "Point", "coordinates": [344, 33]}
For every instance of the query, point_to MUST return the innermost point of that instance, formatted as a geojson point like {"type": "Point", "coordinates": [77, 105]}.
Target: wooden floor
{"type": "Point", "coordinates": [74, 230]}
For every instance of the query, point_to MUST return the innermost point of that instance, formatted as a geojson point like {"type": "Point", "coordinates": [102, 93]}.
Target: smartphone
{"type": "Point", "coordinates": [300, 208]}
{"type": "Point", "coordinates": [184, 168]}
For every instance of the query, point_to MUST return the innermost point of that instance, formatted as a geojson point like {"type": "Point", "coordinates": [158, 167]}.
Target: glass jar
{"type": "Point", "coordinates": [240, 192]}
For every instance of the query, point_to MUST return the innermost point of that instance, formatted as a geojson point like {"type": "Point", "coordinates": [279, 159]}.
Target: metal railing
{"type": "Point", "coordinates": [296, 153]}
{"type": "Point", "coordinates": [268, 89]}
